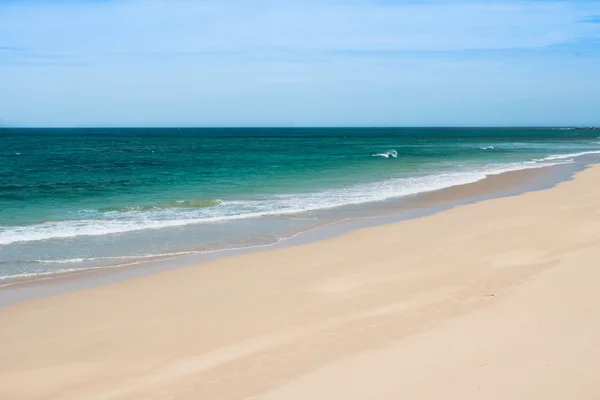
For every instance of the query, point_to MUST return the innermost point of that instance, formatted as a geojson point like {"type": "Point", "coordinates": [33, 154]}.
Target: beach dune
{"type": "Point", "coordinates": [491, 300]}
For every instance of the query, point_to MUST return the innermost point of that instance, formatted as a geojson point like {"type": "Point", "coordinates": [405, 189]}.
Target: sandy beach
{"type": "Point", "coordinates": [494, 300]}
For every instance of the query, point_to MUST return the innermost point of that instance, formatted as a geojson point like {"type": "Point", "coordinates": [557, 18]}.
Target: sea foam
{"type": "Point", "coordinates": [387, 154]}
{"type": "Point", "coordinates": [135, 220]}
{"type": "Point", "coordinates": [568, 155]}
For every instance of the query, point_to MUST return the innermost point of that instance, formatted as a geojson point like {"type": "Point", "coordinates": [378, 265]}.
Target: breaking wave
{"type": "Point", "coordinates": [387, 154]}
{"type": "Point", "coordinates": [568, 155]}
{"type": "Point", "coordinates": [125, 220]}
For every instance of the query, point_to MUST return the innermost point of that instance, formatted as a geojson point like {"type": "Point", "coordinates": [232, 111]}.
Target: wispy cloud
{"type": "Point", "coordinates": [101, 28]}
{"type": "Point", "coordinates": [593, 19]}
{"type": "Point", "coordinates": [304, 61]}
{"type": "Point", "coordinates": [10, 55]}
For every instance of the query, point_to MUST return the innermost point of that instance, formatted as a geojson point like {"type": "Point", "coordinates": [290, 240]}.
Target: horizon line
{"type": "Point", "coordinates": [315, 127]}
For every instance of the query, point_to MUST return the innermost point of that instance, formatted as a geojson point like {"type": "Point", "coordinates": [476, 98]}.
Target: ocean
{"type": "Point", "coordinates": [74, 199]}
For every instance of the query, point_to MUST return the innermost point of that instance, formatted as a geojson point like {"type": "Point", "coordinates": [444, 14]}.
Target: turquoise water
{"type": "Point", "coordinates": [80, 198]}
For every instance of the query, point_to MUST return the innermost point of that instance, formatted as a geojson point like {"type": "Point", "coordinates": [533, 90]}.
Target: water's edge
{"type": "Point", "coordinates": [496, 186]}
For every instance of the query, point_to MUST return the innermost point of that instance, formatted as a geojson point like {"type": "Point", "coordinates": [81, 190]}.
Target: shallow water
{"type": "Point", "coordinates": [73, 199]}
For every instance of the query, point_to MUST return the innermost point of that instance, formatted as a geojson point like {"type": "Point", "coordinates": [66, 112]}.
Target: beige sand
{"type": "Point", "coordinates": [493, 300]}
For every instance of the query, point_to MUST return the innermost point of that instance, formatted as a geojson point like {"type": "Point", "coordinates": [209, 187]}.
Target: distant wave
{"type": "Point", "coordinates": [387, 154]}
{"type": "Point", "coordinates": [487, 148]}
{"type": "Point", "coordinates": [568, 155]}
{"type": "Point", "coordinates": [105, 223]}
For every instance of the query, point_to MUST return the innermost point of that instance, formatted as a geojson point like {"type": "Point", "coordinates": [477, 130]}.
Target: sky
{"type": "Point", "coordinates": [81, 63]}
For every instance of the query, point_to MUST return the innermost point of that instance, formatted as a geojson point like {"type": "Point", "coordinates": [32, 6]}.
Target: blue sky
{"type": "Point", "coordinates": [299, 63]}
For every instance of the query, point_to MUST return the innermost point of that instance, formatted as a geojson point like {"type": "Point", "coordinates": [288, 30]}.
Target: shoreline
{"type": "Point", "coordinates": [493, 299]}
{"type": "Point", "coordinates": [211, 199]}
{"type": "Point", "coordinates": [506, 184]}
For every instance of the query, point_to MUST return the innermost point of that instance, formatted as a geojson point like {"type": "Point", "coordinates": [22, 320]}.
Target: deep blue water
{"type": "Point", "coordinates": [75, 198]}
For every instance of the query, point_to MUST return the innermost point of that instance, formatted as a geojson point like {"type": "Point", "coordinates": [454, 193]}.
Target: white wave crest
{"type": "Point", "coordinates": [568, 155]}
{"type": "Point", "coordinates": [487, 148]}
{"type": "Point", "coordinates": [101, 224]}
{"type": "Point", "coordinates": [387, 154]}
